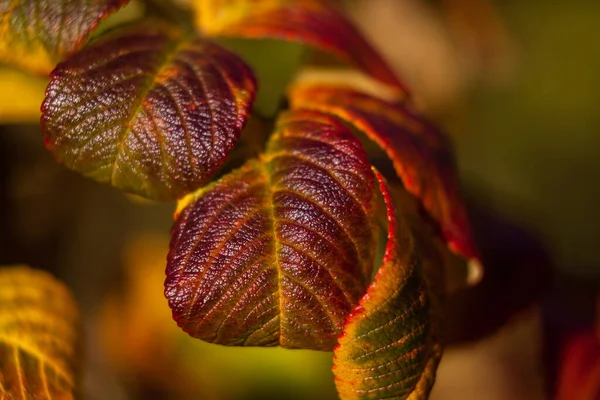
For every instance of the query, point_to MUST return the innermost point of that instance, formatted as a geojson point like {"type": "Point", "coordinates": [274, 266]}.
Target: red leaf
{"type": "Point", "coordinates": [580, 368]}
{"type": "Point", "coordinates": [148, 110]}
{"type": "Point", "coordinates": [421, 154]}
{"type": "Point", "coordinates": [279, 251]}
{"type": "Point", "coordinates": [313, 22]}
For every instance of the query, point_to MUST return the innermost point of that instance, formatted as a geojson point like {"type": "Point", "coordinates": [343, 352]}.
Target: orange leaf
{"type": "Point", "coordinates": [39, 324]}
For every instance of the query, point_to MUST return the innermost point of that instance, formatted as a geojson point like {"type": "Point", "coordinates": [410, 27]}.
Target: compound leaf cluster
{"type": "Point", "coordinates": [280, 251]}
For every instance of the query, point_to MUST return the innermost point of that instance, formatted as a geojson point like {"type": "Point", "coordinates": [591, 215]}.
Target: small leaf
{"type": "Point", "coordinates": [38, 336]}
{"type": "Point", "coordinates": [36, 34]}
{"type": "Point", "coordinates": [422, 156]}
{"type": "Point", "coordinates": [148, 110]}
{"type": "Point", "coordinates": [313, 22]}
{"type": "Point", "coordinates": [387, 349]}
{"type": "Point", "coordinates": [279, 251]}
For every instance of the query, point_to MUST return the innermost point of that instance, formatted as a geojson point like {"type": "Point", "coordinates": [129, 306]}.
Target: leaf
{"type": "Point", "coordinates": [348, 78]}
{"type": "Point", "coordinates": [36, 34]}
{"type": "Point", "coordinates": [579, 369]}
{"type": "Point", "coordinates": [21, 97]}
{"type": "Point", "coordinates": [148, 110]}
{"type": "Point", "coordinates": [422, 156]}
{"type": "Point", "coordinates": [38, 336]}
{"type": "Point", "coordinates": [387, 349]}
{"type": "Point", "coordinates": [279, 251]}
{"type": "Point", "coordinates": [313, 22]}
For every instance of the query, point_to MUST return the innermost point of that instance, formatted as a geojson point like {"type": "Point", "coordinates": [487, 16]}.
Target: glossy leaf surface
{"type": "Point", "coordinates": [38, 336]}
{"type": "Point", "coordinates": [387, 350]}
{"type": "Point", "coordinates": [148, 111]}
{"type": "Point", "coordinates": [279, 251]}
{"type": "Point", "coordinates": [421, 154]}
{"type": "Point", "coordinates": [36, 34]}
{"type": "Point", "coordinates": [313, 22]}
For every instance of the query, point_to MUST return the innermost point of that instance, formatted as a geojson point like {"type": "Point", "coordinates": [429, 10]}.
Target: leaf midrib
{"type": "Point", "coordinates": [270, 195]}
{"type": "Point", "coordinates": [38, 354]}
{"type": "Point", "coordinates": [169, 55]}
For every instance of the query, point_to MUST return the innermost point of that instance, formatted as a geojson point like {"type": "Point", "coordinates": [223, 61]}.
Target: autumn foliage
{"type": "Point", "coordinates": [280, 251]}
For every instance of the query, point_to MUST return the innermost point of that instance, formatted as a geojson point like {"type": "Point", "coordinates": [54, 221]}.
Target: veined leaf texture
{"type": "Point", "coordinates": [280, 251]}
{"type": "Point", "coordinates": [39, 329]}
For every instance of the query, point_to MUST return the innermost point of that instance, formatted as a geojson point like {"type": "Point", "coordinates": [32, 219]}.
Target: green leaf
{"type": "Point", "coordinates": [36, 34]}
{"type": "Point", "coordinates": [39, 326]}
{"type": "Point", "coordinates": [279, 251]}
{"type": "Point", "coordinates": [387, 349]}
{"type": "Point", "coordinates": [148, 110]}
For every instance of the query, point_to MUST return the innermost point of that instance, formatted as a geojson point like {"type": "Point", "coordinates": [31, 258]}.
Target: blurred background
{"type": "Point", "coordinates": [515, 83]}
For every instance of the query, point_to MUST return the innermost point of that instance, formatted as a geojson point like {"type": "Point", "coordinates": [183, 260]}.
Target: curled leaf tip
{"type": "Point", "coordinates": [475, 272]}
{"type": "Point", "coordinates": [387, 349]}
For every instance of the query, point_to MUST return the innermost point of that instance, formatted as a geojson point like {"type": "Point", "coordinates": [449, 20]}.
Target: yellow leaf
{"type": "Point", "coordinates": [213, 16]}
{"type": "Point", "coordinates": [38, 336]}
{"type": "Point", "coordinates": [35, 35]}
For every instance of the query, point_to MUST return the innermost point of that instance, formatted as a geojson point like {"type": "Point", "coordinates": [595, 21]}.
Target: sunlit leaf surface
{"type": "Point", "coordinates": [148, 110]}
{"type": "Point", "coordinates": [279, 251]}
{"type": "Point", "coordinates": [313, 22]}
{"type": "Point", "coordinates": [36, 34]}
{"type": "Point", "coordinates": [387, 349]}
{"type": "Point", "coordinates": [422, 156]}
{"type": "Point", "coordinates": [38, 336]}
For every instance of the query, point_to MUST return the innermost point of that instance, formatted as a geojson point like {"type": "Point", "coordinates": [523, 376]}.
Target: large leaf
{"type": "Point", "coordinates": [148, 110]}
{"type": "Point", "coordinates": [387, 349]}
{"type": "Point", "coordinates": [422, 156]}
{"type": "Point", "coordinates": [38, 336]}
{"type": "Point", "coordinates": [279, 251]}
{"type": "Point", "coordinates": [314, 22]}
{"type": "Point", "coordinates": [36, 34]}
